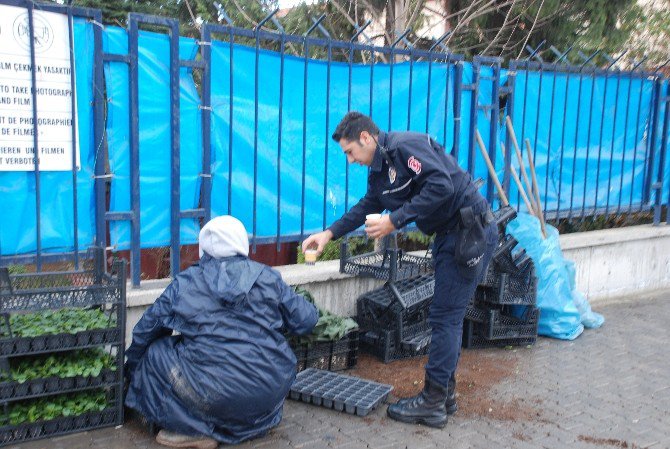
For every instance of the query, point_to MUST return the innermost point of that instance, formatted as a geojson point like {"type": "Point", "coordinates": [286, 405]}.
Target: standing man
{"type": "Point", "coordinates": [412, 176]}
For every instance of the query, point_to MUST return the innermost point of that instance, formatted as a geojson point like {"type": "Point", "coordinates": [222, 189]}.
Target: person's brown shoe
{"type": "Point", "coordinates": [173, 439]}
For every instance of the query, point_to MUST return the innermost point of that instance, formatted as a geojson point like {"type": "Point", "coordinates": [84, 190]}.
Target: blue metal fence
{"type": "Point", "coordinates": [254, 140]}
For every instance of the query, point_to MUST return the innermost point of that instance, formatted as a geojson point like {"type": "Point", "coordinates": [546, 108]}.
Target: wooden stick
{"type": "Point", "coordinates": [522, 166]}
{"type": "Point", "coordinates": [519, 186]}
{"type": "Point", "coordinates": [531, 165]}
{"type": "Point", "coordinates": [501, 193]}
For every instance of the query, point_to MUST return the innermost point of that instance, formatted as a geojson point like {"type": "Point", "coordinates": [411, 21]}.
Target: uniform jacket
{"type": "Point", "coordinates": [412, 176]}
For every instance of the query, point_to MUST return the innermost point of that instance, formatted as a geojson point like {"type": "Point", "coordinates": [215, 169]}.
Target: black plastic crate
{"type": "Point", "coordinates": [343, 393]}
{"type": "Point", "coordinates": [510, 290]}
{"type": "Point", "coordinates": [370, 316]}
{"type": "Point", "coordinates": [506, 261]}
{"type": "Point", "coordinates": [391, 264]}
{"type": "Point", "coordinates": [474, 337]}
{"type": "Point", "coordinates": [328, 355]}
{"type": "Point", "coordinates": [47, 295]}
{"type": "Point", "coordinates": [500, 326]}
{"type": "Point", "coordinates": [388, 346]}
{"type": "Point", "coordinates": [503, 216]}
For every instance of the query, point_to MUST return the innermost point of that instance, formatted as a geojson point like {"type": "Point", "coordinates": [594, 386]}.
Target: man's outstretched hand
{"type": "Point", "coordinates": [319, 240]}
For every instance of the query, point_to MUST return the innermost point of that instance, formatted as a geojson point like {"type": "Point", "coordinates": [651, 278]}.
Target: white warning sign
{"type": "Point", "coordinates": [52, 95]}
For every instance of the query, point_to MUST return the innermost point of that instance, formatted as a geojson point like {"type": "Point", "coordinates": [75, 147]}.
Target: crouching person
{"type": "Point", "coordinates": [223, 377]}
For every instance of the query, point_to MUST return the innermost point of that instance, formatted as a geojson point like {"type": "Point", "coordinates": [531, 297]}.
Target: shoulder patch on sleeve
{"type": "Point", "coordinates": [414, 164]}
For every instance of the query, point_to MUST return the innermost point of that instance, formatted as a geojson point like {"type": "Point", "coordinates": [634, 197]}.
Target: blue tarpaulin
{"type": "Point", "coordinates": [592, 145]}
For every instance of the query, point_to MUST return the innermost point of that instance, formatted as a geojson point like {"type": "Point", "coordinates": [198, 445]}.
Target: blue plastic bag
{"type": "Point", "coordinates": [559, 316]}
{"type": "Point", "coordinates": [590, 319]}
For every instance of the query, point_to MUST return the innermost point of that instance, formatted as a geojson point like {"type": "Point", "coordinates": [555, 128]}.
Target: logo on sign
{"type": "Point", "coordinates": [414, 165]}
{"type": "Point", "coordinates": [43, 35]}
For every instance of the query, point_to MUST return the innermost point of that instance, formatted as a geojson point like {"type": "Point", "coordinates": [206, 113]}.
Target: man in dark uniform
{"type": "Point", "coordinates": [412, 176]}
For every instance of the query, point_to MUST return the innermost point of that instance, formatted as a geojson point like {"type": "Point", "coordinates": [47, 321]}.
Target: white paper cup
{"type": "Point", "coordinates": [310, 256]}
{"type": "Point", "coordinates": [373, 217]}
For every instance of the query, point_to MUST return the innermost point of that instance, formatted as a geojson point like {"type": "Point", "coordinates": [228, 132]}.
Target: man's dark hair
{"type": "Point", "coordinates": [352, 125]}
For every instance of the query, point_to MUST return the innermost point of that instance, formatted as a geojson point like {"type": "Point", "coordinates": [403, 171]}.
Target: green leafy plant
{"type": "Point", "coordinates": [330, 327]}
{"type": "Point", "coordinates": [85, 363]}
{"type": "Point", "coordinates": [62, 321]}
{"type": "Point", "coordinates": [56, 406]}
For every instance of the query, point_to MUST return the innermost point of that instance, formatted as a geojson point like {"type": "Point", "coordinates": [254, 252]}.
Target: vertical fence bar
{"type": "Point", "coordinates": [134, 153]}
{"type": "Point", "coordinates": [70, 29]}
{"type": "Point", "coordinates": [36, 148]}
{"type": "Point", "coordinates": [409, 93]}
{"type": "Point", "coordinates": [304, 121]}
{"type": "Point", "coordinates": [658, 186]}
{"type": "Point", "coordinates": [432, 56]}
{"type": "Point", "coordinates": [588, 144]}
{"type": "Point", "coordinates": [325, 173]}
{"type": "Point", "coordinates": [511, 82]}
{"type": "Point", "coordinates": [577, 123]}
{"type": "Point", "coordinates": [609, 176]}
{"type": "Point", "coordinates": [560, 164]}
{"type": "Point", "coordinates": [493, 126]}
{"type": "Point", "coordinates": [231, 76]}
{"type": "Point", "coordinates": [206, 111]}
{"type": "Point", "coordinates": [656, 105]}
{"type": "Point", "coordinates": [637, 135]}
{"type": "Point", "coordinates": [175, 150]}
{"type": "Point", "coordinates": [551, 127]}
{"type": "Point", "coordinates": [523, 116]}
{"type": "Point", "coordinates": [625, 137]}
{"type": "Point", "coordinates": [473, 117]}
{"type": "Point", "coordinates": [99, 132]}
{"type": "Point", "coordinates": [430, 72]}
{"type": "Point", "coordinates": [600, 140]}
{"type": "Point", "coordinates": [537, 131]}
{"type": "Point", "coordinates": [282, 49]}
{"type": "Point", "coordinates": [458, 94]}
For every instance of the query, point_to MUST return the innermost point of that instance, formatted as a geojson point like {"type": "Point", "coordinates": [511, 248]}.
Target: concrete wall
{"type": "Point", "coordinates": [610, 264]}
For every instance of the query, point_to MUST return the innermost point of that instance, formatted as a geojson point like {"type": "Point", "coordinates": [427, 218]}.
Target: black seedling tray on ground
{"type": "Point", "coordinates": [340, 392]}
{"type": "Point", "coordinates": [391, 264]}
{"type": "Point", "coordinates": [328, 355]}
{"type": "Point", "coordinates": [388, 346]}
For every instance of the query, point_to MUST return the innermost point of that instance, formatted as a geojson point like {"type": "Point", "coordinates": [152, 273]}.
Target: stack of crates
{"type": "Point", "coordinates": [503, 311]}
{"type": "Point", "coordinates": [61, 351]}
{"type": "Point", "coordinates": [393, 319]}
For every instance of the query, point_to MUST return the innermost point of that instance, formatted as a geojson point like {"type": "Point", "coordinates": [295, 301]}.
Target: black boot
{"type": "Point", "coordinates": [450, 403]}
{"type": "Point", "coordinates": [428, 407]}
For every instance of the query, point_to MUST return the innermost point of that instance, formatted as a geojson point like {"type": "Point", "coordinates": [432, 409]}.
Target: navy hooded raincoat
{"type": "Point", "coordinates": [228, 371]}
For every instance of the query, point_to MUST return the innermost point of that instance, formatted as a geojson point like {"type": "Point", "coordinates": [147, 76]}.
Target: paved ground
{"type": "Point", "coordinates": [610, 388]}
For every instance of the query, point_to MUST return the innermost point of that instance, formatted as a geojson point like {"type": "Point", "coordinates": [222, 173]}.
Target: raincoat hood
{"type": "Point", "coordinates": [223, 236]}
{"type": "Point", "coordinates": [230, 277]}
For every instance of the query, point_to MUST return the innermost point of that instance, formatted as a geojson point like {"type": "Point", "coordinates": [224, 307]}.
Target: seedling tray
{"type": "Point", "coordinates": [329, 355]}
{"type": "Point", "coordinates": [338, 391]}
{"type": "Point", "coordinates": [501, 296]}
{"type": "Point", "coordinates": [43, 344]}
{"type": "Point", "coordinates": [59, 426]}
{"type": "Point", "coordinates": [14, 391]}
{"type": "Point", "coordinates": [391, 264]}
